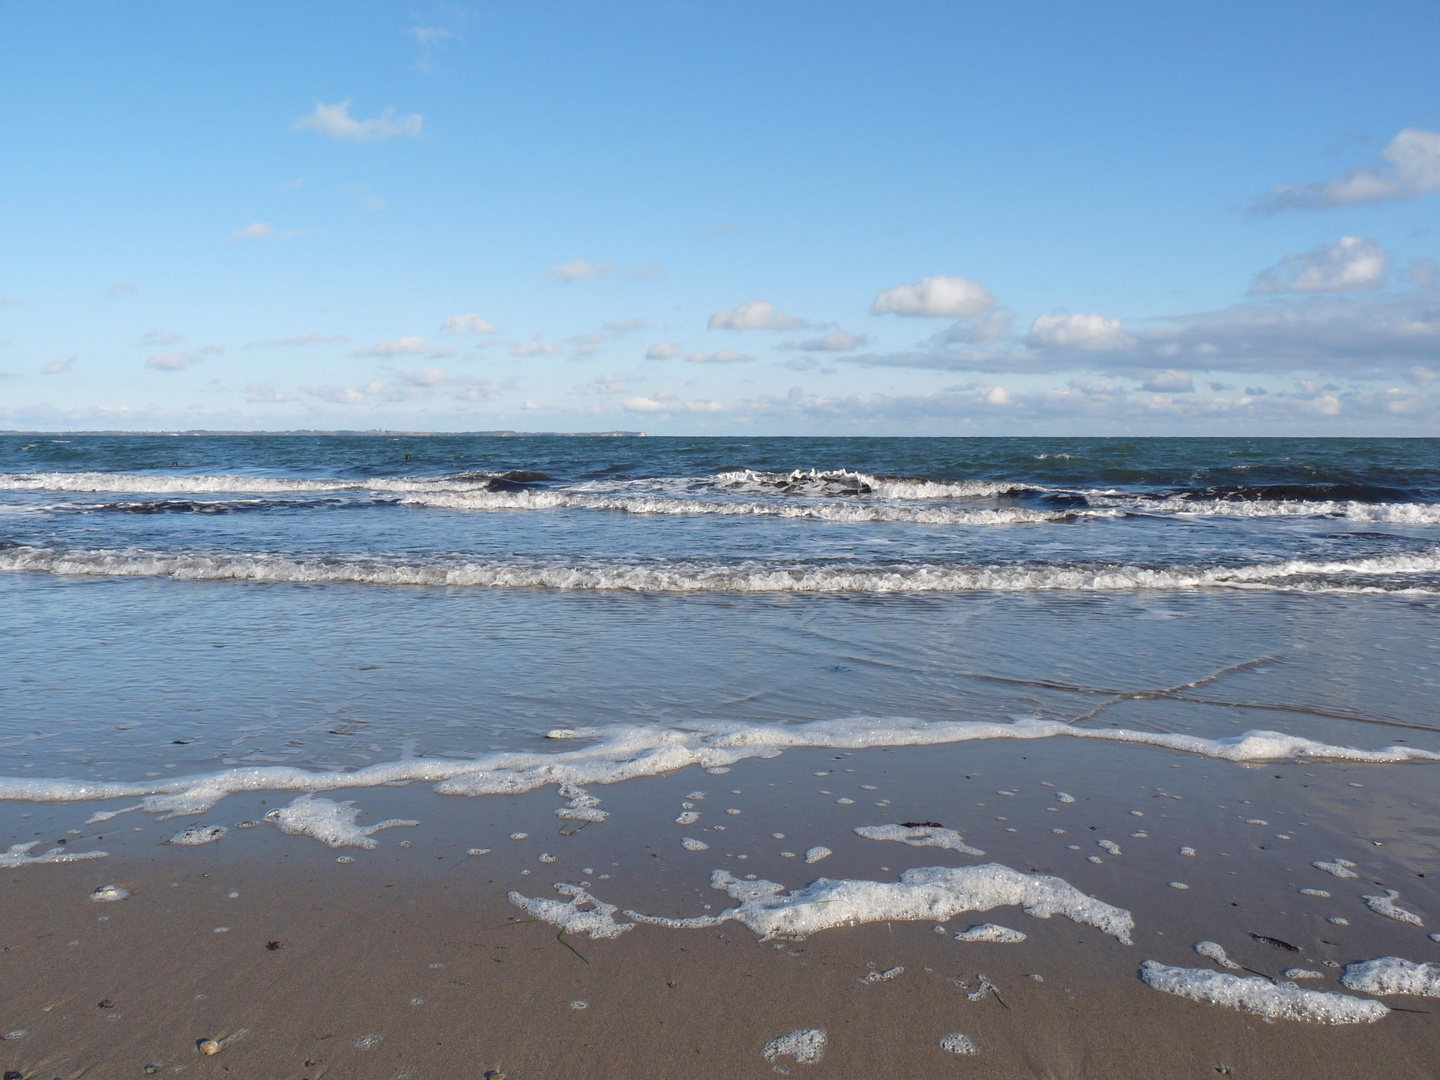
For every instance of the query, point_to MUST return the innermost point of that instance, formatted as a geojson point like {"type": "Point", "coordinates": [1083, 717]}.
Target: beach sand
{"type": "Point", "coordinates": [411, 962]}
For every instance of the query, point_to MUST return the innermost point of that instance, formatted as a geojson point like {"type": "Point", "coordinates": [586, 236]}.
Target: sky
{"type": "Point", "coordinates": [705, 218]}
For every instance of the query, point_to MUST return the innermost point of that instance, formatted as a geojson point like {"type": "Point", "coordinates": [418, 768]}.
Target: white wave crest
{"type": "Point", "coordinates": [830, 481]}
{"type": "Point", "coordinates": [628, 752]}
{"type": "Point", "coordinates": [1337, 575]}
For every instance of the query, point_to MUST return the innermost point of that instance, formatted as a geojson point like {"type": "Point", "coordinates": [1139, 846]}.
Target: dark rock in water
{"type": "Point", "coordinates": [921, 825]}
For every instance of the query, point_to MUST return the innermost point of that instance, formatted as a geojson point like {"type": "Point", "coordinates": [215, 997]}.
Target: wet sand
{"type": "Point", "coordinates": [411, 962]}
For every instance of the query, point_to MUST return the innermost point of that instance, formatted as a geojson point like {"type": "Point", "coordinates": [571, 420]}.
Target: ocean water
{"type": "Point", "coordinates": [183, 616]}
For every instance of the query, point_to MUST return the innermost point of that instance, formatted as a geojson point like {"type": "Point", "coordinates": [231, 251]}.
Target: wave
{"type": "Point", "coordinates": [628, 752]}
{"type": "Point", "coordinates": [226, 483]}
{"type": "Point", "coordinates": [834, 482]}
{"type": "Point", "coordinates": [1386, 573]}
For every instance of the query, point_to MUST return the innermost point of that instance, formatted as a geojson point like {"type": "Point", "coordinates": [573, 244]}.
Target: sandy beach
{"type": "Point", "coordinates": [411, 961]}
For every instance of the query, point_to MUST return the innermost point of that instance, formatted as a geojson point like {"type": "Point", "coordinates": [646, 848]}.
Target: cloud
{"type": "Point", "coordinates": [1348, 265]}
{"type": "Point", "coordinates": [652, 272]}
{"type": "Point", "coordinates": [663, 350]}
{"type": "Point", "coordinates": [533, 348]}
{"type": "Point", "coordinates": [1362, 335]}
{"type": "Point", "coordinates": [171, 361]}
{"type": "Point", "coordinates": [992, 326]}
{"type": "Point", "coordinates": [261, 394]}
{"type": "Point", "coordinates": [58, 367]}
{"type": "Point", "coordinates": [121, 290]}
{"type": "Point", "coordinates": [753, 315]}
{"type": "Point", "coordinates": [346, 395]}
{"type": "Point", "coordinates": [587, 345]}
{"type": "Point", "coordinates": [996, 395]}
{"type": "Point", "coordinates": [336, 122]}
{"type": "Point", "coordinates": [466, 324]}
{"type": "Point", "coordinates": [434, 376]}
{"type": "Point", "coordinates": [580, 270]}
{"type": "Point", "coordinates": [1077, 332]}
{"type": "Point", "coordinates": [429, 35]}
{"type": "Point", "coordinates": [254, 231]}
{"type": "Point", "coordinates": [155, 337]}
{"type": "Point", "coordinates": [1168, 382]}
{"type": "Point", "coordinates": [668, 402]}
{"type": "Point", "coordinates": [613, 383]}
{"type": "Point", "coordinates": [935, 298]}
{"type": "Point", "coordinates": [1410, 169]}
{"type": "Point", "coordinates": [832, 341]}
{"type": "Point", "coordinates": [724, 356]}
{"type": "Point", "coordinates": [406, 346]}
{"type": "Point", "coordinates": [303, 339]}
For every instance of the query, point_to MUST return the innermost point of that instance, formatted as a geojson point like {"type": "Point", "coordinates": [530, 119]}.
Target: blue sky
{"type": "Point", "coordinates": [728, 218]}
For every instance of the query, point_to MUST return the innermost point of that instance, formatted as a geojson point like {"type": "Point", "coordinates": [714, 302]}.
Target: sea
{"type": "Point", "coordinates": [187, 615]}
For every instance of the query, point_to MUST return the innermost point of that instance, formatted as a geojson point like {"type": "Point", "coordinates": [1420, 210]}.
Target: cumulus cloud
{"type": "Point", "coordinates": [406, 346]}
{"type": "Point", "coordinates": [1168, 382]}
{"type": "Point", "coordinates": [724, 356]}
{"type": "Point", "coordinates": [433, 376]}
{"type": "Point", "coordinates": [1077, 332]}
{"type": "Point", "coordinates": [171, 361]}
{"type": "Point", "coordinates": [1410, 168]}
{"type": "Point", "coordinates": [663, 350]}
{"type": "Point", "coordinates": [467, 324]}
{"type": "Point", "coordinates": [668, 402]}
{"type": "Point", "coordinates": [263, 394]}
{"type": "Point", "coordinates": [336, 122]}
{"type": "Point", "coordinates": [581, 270]}
{"type": "Point", "coordinates": [754, 315]}
{"type": "Point", "coordinates": [831, 341]}
{"type": "Point", "coordinates": [1351, 264]}
{"type": "Point", "coordinates": [302, 339]}
{"type": "Point", "coordinates": [935, 298]}
{"type": "Point", "coordinates": [57, 367]}
{"type": "Point", "coordinates": [1325, 332]}
{"type": "Point", "coordinates": [254, 231]}
{"type": "Point", "coordinates": [996, 395]}
{"type": "Point", "coordinates": [533, 348]}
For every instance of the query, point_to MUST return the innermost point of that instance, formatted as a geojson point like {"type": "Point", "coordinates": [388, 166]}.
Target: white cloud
{"type": "Point", "coordinates": [429, 35]}
{"type": "Point", "coordinates": [254, 231]}
{"type": "Point", "coordinates": [434, 376]}
{"type": "Point", "coordinates": [992, 326]}
{"type": "Point", "coordinates": [533, 348]}
{"type": "Point", "coordinates": [997, 395]}
{"type": "Point", "coordinates": [466, 324]}
{"type": "Point", "coordinates": [1351, 264]}
{"type": "Point", "coordinates": [261, 394]}
{"type": "Point", "coordinates": [1168, 382]}
{"type": "Point", "coordinates": [303, 339]}
{"type": "Point", "coordinates": [347, 395]}
{"type": "Point", "coordinates": [832, 341]}
{"type": "Point", "coordinates": [724, 356]}
{"type": "Point", "coordinates": [57, 367]}
{"type": "Point", "coordinates": [171, 361]}
{"type": "Point", "coordinates": [581, 270]}
{"type": "Point", "coordinates": [667, 402]}
{"type": "Point", "coordinates": [336, 121]}
{"type": "Point", "coordinates": [663, 350]}
{"type": "Point", "coordinates": [1077, 332]}
{"type": "Point", "coordinates": [1411, 169]}
{"type": "Point", "coordinates": [935, 298]}
{"type": "Point", "coordinates": [753, 315]}
{"type": "Point", "coordinates": [406, 346]}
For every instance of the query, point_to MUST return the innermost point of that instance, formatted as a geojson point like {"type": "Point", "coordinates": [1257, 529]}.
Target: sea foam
{"type": "Point", "coordinates": [1261, 996]}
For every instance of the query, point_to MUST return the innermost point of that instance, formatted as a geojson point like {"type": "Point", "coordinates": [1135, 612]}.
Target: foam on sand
{"type": "Point", "coordinates": [1278, 1001]}
{"type": "Point", "coordinates": [195, 835]}
{"type": "Point", "coordinates": [919, 836]}
{"type": "Point", "coordinates": [19, 855]}
{"type": "Point", "coordinates": [1340, 868]}
{"type": "Point", "coordinates": [1385, 905]}
{"type": "Point", "coordinates": [1213, 950]}
{"type": "Point", "coordinates": [805, 1045]}
{"type": "Point", "coordinates": [815, 854]}
{"type": "Point", "coordinates": [1000, 935]}
{"type": "Point", "coordinates": [1392, 975]}
{"type": "Point", "coordinates": [626, 752]}
{"type": "Point", "coordinates": [932, 893]}
{"type": "Point", "coordinates": [330, 822]}
{"type": "Point", "coordinates": [582, 914]}
{"type": "Point", "coordinates": [959, 1043]}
